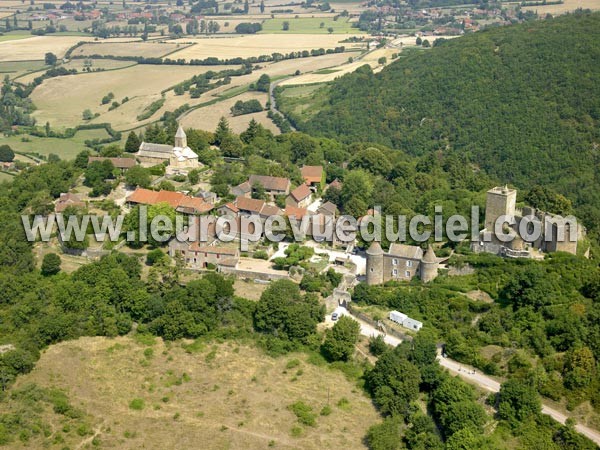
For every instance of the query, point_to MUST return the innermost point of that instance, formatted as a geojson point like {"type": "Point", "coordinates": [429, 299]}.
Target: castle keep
{"type": "Point", "coordinates": [556, 233]}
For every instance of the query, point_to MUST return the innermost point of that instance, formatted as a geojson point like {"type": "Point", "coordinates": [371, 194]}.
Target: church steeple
{"type": "Point", "coordinates": [180, 138]}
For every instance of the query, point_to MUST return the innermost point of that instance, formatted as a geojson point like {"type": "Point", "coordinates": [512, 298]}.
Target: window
{"type": "Point", "coordinates": [394, 262]}
{"type": "Point", "coordinates": [409, 263]}
{"type": "Point", "coordinates": [395, 272]}
{"type": "Point", "coordinates": [372, 270]}
{"type": "Point", "coordinates": [407, 274]}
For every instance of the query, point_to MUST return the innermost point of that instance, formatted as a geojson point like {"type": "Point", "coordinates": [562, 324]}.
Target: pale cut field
{"type": "Point", "coordinates": [35, 47]}
{"type": "Point", "coordinates": [62, 100]}
{"type": "Point", "coordinates": [568, 5]}
{"type": "Point", "coordinates": [208, 117]}
{"type": "Point", "coordinates": [370, 58]}
{"type": "Point", "coordinates": [232, 396]}
{"type": "Point", "coordinates": [145, 49]}
{"type": "Point", "coordinates": [255, 45]}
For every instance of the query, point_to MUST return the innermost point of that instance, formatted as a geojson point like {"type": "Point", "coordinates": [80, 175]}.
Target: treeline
{"type": "Point", "coordinates": [535, 124]}
{"type": "Point", "coordinates": [214, 61]}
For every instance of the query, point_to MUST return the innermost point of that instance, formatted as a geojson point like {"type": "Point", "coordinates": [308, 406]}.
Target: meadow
{"type": "Point", "coordinates": [133, 48]}
{"type": "Point", "coordinates": [567, 5]}
{"type": "Point", "coordinates": [146, 393]}
{"type": "Point", "coordinates": [65, 148]}
{"type": "Point", "coordinates": [35, 47]}
{"type": "Point", "coordinates": [309, 25]}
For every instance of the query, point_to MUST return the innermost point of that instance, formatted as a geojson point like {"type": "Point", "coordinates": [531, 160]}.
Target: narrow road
{"type": "Point", "coordinates": [272, 102]}
{"type": "Point", "coordinates": [473, 376]}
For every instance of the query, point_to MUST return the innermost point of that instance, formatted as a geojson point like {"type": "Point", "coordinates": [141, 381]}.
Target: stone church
{"type": "Point", "coordinates": [179, 156]}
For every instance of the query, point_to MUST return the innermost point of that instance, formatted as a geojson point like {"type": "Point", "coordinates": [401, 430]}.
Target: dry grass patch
{"type": "Point", "coordinates": [62, 100]}
{"type": "Point", "coordinates": [567, 5]}
{"type": "Point", "coordinates": [35, 47]}
{"type": "Point", "coordinates": [223, 396]}
{"type": "Point", "coordinates": [145, 49]}
{"type": "Point", "coordinates": [254, 45]}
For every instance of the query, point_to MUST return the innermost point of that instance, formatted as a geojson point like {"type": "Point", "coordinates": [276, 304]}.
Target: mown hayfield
{"type": "Point", "coordinates": [138, 48]}
{"type": "Point", "coordinates": [62, 100]}
{"type": "Point", "coordinates": [18, 68]}
{"type": "Point", "coordinates": [309, 25]}
{"type": "Point", "coordinates": [208, 117]}
{"type": "Point", "coordinates": [567, 5]}
{"type": "Point", "coordinates": [106, 64]}
{"type": "Point", "coordinates": [35, 47]}
{"type": "Point", "coordinates": [156, 395]}
{"type": "Point", "coordinates": [13, 36]}
{"type": "Point", "coordinates": [254, 45]}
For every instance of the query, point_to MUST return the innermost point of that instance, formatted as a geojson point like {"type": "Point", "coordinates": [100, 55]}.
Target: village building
{"type": "Point", "coordinates": [557, 233]}
{"type": "Point", "coordinates": [273, 186]}
{"type": "Point", "coordinates": [67, 200]}
{"type": "Point", "coordinates": [400, 263]}
{"type": "Point", "coordinates": [178, 201]}
{"type": "Point", "coordinates": [328, 209]}
{"type": "Point", "coordinates": [124, 164]}
{"type": "Point", "coordinates": [208, 196]}
{"type": "Point", "coordinates": [313, 176]}
{"type": "Point", "coordinates": [300, 197]}
{"type": "Point", "coordinates": [179, 156]}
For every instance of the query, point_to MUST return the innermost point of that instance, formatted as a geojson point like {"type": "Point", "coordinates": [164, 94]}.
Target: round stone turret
{"type": "Point", "coordinates": [429, 265]}
{"type": "Point", "coordinates": [375, 264]}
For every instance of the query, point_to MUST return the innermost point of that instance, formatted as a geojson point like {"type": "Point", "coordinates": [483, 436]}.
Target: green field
{"type": "Point", "coordinates": [5, 177]}
{"type": "Point", "coordinates": [14, 36]}
{"type": "Point", "coordinates": [65, 148]}
{"type": "Point", "coordinates": [17, 68]}
{"type": "Point", "coordinates": [310, 25]}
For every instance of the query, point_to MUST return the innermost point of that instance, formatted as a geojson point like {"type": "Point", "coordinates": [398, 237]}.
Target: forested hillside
{"type": "Point", "coordinates": [521, 102]}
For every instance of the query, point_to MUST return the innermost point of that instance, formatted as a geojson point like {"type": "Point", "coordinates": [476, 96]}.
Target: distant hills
{"type": "Point", "coordinates": [523, 102]}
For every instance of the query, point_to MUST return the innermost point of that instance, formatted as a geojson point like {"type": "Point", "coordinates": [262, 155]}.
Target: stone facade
{"type": "Point", "coordinates": [400, 263]}
{"type": "Point", "coordinates": [556, 233]}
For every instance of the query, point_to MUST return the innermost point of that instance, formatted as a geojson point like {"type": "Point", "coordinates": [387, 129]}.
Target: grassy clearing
{"type": "Point", "coordinates": [303, 101]}
{"type": "Point", "coordinates": [65, 148]}
{"type": "Point", "coordinates": [310, 25]}
{"type": "Point", "coordinates": [5, 177]}
{"type": "Point", "coordinates": [151, 394]}
{"type": "Point", "coordinates": [17, 68]}
{"type": "Point", "coordinates": [14, 36]}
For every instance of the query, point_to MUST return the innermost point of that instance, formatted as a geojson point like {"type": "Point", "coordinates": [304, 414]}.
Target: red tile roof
{"type": "Point", "coordinates": [312, 174]}
{"type": "Point", "coordinates": [301, 192]}
{"type": "Point", "coordinates": [250, 204]}
{"type": "Point", "coordinates": [176, 200]}
{"type": "Point", "coordinates": [298, 213]}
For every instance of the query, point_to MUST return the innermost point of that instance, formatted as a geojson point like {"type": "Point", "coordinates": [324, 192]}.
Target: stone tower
{"type": "Point", "coordinates": [180, 138]}
{"type": "Point", "coordinates": [375, 264]}
{"type": "Point", "coordinates": [500, 201]}
{"type": "Point", "coordinates": [429, 265]}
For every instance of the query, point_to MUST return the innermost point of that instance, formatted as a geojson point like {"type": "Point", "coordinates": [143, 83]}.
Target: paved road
{"type": "Point", "coordinates": [473, 376]}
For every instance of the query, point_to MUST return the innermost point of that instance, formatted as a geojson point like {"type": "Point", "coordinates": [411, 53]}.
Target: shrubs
{"type": "Point", "coordinates": [51, 264]}
{"type": "Point", "coordinates": [247, 107]}
{"type": "Point", "coordinates": [137, 404]}
{"type": "Point", "coordinates": [151, 109]}
{"type": "Point", "coordinates": [304, 413]}
{"type": "Point", "coordinates": [248, 28]}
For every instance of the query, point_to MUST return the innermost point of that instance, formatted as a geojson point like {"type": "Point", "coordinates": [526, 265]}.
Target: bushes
{"type": "Point", "coordinates": [248, 28]}
{"type": "Point", "coordinates": [248, 107]}
{"type": "Point", "coordinates": [304, 413]}
{"type": "Point", "coordinates": [137, 404]}
{"type": "Point", "coordinates": [151, 109]}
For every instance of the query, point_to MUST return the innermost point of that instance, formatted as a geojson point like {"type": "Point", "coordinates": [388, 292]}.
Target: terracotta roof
{"type": "Point", "coordinates": [176, 200]}
{"type": "Point", "coordinates": [301, 192]}
{"type": "Point", "coordinates": [270, 183]}
{"type": "Point", "coordinates": [193, 205]}
{"type": "Point", "coordinates": [231, 206]}
{"type": "Point", "coordinates": [143, 196]}
{"type": "Point", "coordinates": [270, 210]}
{"type": "Point", "coordinates": [250, 204]}
{"type": "Point", "coordinates": [293, 211]}
{"type": "Point", "coordinates": [68, 199]}
{"type": "Point", "coordinates": [312, 174]}
{"type": "Point", "coordinates": [242, 188]}
{"type": "Point", "coordinates": [170, 197]}
{"type": "Point", "coordinates": [119, 163]}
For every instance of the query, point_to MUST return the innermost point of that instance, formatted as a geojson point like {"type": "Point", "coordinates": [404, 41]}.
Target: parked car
{"type": "Point", "coordinates": [334, 316]}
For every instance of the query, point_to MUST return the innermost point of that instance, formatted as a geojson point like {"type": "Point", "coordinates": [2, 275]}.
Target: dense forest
{"type": "Point", "coordinates": [520, 102]}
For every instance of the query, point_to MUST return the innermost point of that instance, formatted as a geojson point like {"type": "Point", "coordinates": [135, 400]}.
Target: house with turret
{"type": "Point", "coordinates": [400, 263]}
